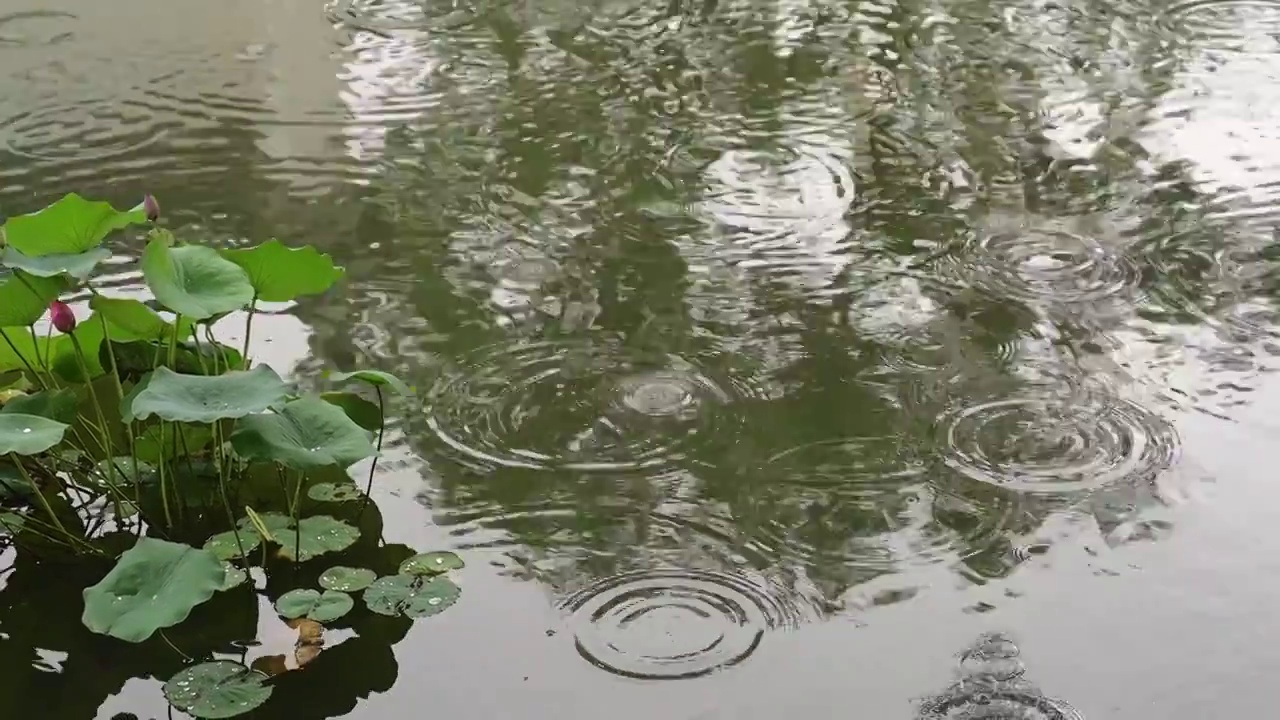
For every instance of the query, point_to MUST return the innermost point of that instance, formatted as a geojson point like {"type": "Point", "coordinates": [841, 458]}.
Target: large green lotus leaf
{"type": "Point", "coordinates": [131, 319]}
{"type": "Point", "coordinates": [69, 226]}
{"type": "Point", "coordinates": [364, 413]}
{"type": "Point", "coordinates": [303, 434]}
{"type": "Point", "coordinates": [154, 585]}
{"type": "Point", "coordinates": [28, 434]}
{"type": "Point", "coordinates": [194, 281]}
{"type": "Point", "coordinates": [280, 273]}
{"type": "Point", "coordinates": [206, 398]}
{"type": "Point", "coordinates": [24, 298]}
{"type": "Point", "coordinates": [314, 536]}
{"type": "Point", "coordinates": [60, 405]}
{"type": "Point", "coordinates": [411, 596]}
{"type": "Point", "coordinates": [376, 378]}
{"type": "Point", "coordinates": [347, 579]}
{"type": "Point", "coordinates": [321, 607]}
{"type": "Point", "coordinates": [217, 689]}
{"type": "Point", "coordinates": [78, 265]}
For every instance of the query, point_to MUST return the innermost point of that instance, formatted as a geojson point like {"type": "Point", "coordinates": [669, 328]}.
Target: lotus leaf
{"type": "Point", "coordinates": [77, 265]}
{"type": "Point", "coordinates": [28, 434]}
{"type": "Point", "coordinates": [155, 584]}
{"type": "Point", "coordinates": [217, 689]}
{"type": "Point", "coordinates": [377, 378]}
{"type": "Point", "coordinates": [194, 281]}
{"type": "Point", "coordinates": [206, 398]}
{"type": "Point", "coordinates": [314, 536]}
{"type": "Point", "coordinates": [329, 492]}
{"type": "Point", "coordinates": [280, 273]}
{"type": "Point", "coordinates": [303, 434]}
{"type": "Point", "coordinates": [432, 563]}
{"type": "Point", "coordinates": [347, 579]}
{"type": "Point", "coordinates": [411, 596]}
{"type": "Point", "coordinates": [70, 226]}
{"type": "Point", "coordinates": [322, 607]}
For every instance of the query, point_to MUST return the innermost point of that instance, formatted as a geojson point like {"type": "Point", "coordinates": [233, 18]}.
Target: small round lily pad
{"type": "Point", "coordinates": [431, 563]}
{"type": "Point", "coordinates": [217, 689]}
{"type": "Point", "coordinates": [224, 544]}
{"type": "Point", "coordinates": [347, 579]}
{"type": "Point", "coordinates": [329, 492]}
{"type": "Point", "coordinates": [314, 605]}
{"type": "Point", "coordinates": [411, 596]}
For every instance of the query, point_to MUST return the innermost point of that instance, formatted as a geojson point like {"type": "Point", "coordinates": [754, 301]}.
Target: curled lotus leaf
{"type": "Point", "coordinates": [155, 584]}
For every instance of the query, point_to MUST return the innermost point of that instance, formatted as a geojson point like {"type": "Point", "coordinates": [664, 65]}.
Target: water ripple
{"type": "Point", "coordinates": [674, 624]}
{"type": "Point", "coordinates": [1054, 442]}
{"type": "Point", "coordinates": [580, 405]}
{"type": "Point", "coordinates": [1043, 265]}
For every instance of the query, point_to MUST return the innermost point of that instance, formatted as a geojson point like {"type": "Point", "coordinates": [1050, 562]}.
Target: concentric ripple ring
{"type": "Point", "coordinates": [1045, 265]}
{"type": "Point", "coordinates": [674, 624]}
{"type": "Point", "coordinates": [579, 405]}
{"type": "Point", "coordinates": [1057, 443]}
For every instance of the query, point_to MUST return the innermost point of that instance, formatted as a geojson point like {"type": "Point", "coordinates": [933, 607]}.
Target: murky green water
{"type": "Point", "coordinates": [769, 354]}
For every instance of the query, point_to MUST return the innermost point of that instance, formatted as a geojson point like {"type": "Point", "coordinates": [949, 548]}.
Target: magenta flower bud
{"type": "Point", "coordinates": [151, 207]}
{"type": "Point", "coordinates": [62, 317]}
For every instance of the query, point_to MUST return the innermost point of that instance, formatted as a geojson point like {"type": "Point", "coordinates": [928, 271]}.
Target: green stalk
{"type": "Point", "coordinates": [373, 466]}
{"type": "Point", "coordinates": [9, 341]}
{"type": "Point", "coordinates": [173, 339]}
{"type": "Point", "coordinates": [248, 332]}
{"type": "Point", "coordinates": [222, 488]}
{"type": "Point", "coordinates": [102, 418]}
{"type": "Point", "coordinates": [44, 502]}
{"type": "Point", "coordinates": [128, 426]}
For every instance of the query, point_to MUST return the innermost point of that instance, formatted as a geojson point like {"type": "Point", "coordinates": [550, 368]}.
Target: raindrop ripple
{"type": "Point", "coordinates": [674, 624]}
{"type": "Point", "coordinates": [1056, 441]}
{"type": "Point", "coordinates": [579, 406]}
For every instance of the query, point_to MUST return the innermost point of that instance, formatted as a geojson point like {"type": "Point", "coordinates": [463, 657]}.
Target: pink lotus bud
{"type": "Point", "coordinates": [151, 207]}
{"type": "Point", "coordinates": [62, 317]}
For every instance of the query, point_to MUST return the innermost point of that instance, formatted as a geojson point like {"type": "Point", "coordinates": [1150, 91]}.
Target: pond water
{"type": "Point", "coordinates": [817, 358]}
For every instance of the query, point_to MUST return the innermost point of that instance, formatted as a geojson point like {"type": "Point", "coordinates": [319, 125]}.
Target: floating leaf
{"type": "Point", "coordinates": [29, 434]}
{"type": "Point", "coordinates": [25, 298]}
{"type": "Point", "coordinates": [194, 281]}
{"type": "Point", "coordinates": [233, 576]}
{"type": "Point", "coordinates": [347, 579]}
{"type": "Point", "coordinates": [374, 377]}
{"type": "Point", "coordinates": [432, 563]}
{"type": "Point", "coordinates": [304, 434]}
{"type": "Point", "coordinates": [79, 265]}
{"type": "Point", "coordinates": [224, 543]}
{"type": "Point", "coordinates": [154, 585]}
{"type": "Point", "coordinates": [279, 273]}
{"type": "Point", "coordinates": [267, 525]}
{"type": "Point", "coordinates": [217, 689]}
{"type": "Point", "coordinates": [411, 596]}
{"type": "Point", "coordinates": [314, 536]}
{"type": "Point", "coordinates": [314, 605]}
{"type": "Point", "coordinates": [60, 405]}
{"type": "Point", "coordinates": [206, 398]}
{"type": "Point", "coordinates": [329, 492]}
{"type": "Point", "coordinates": [361, 411]}
{"type": "Point", "coordinates": [134, 320]}
{"type": "Point", "coordinates": [70, 226]}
